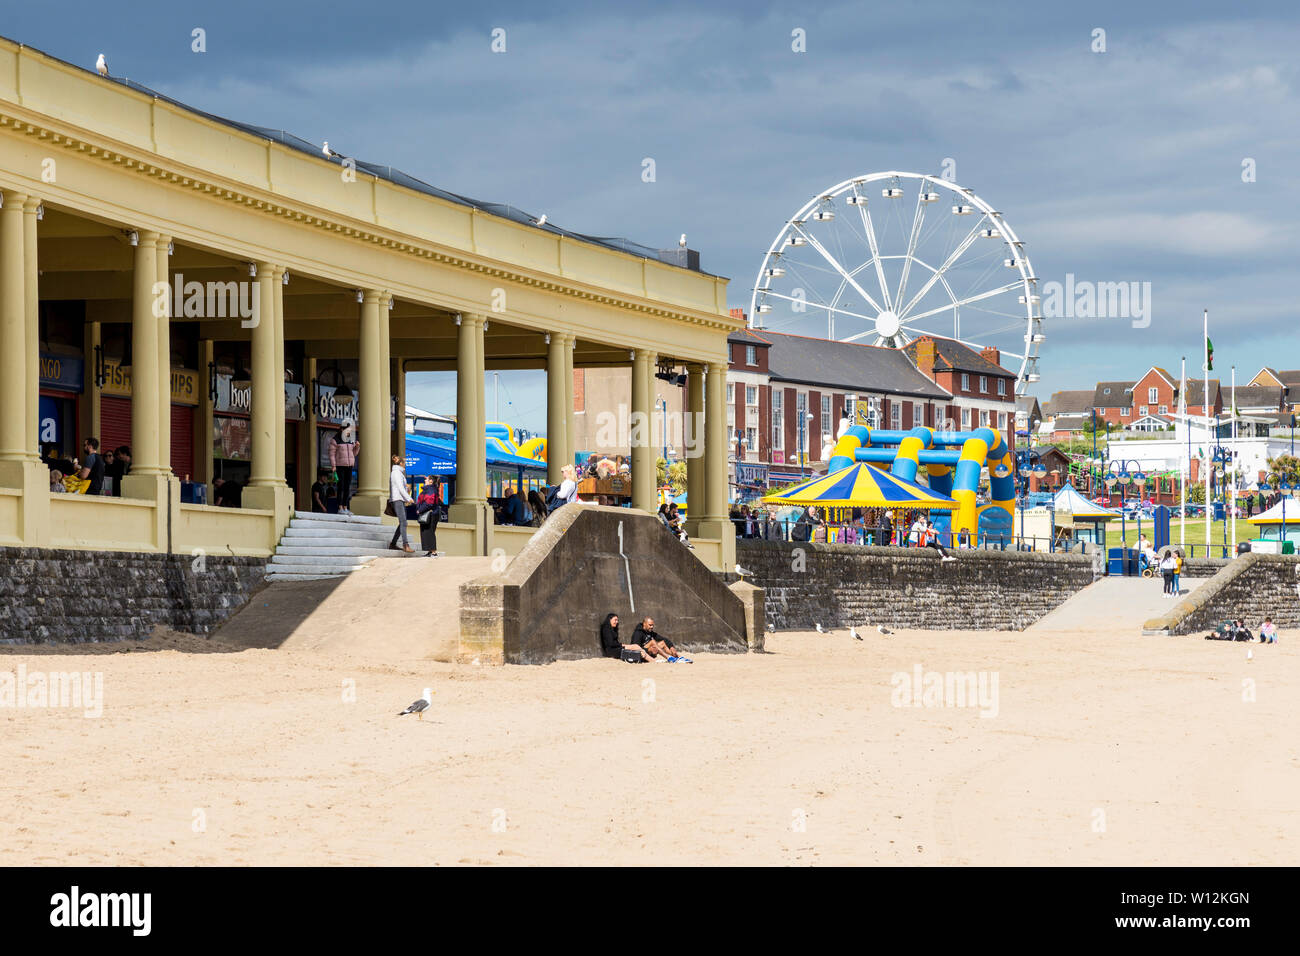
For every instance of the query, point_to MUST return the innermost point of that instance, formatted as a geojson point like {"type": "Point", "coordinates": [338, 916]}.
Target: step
{"type": "Point", "coordinates": [335, 519]}
{"type": "Point", "coordinates": [331, 550]}
{"type": "Point", "coordinates": [320, 560]}
{"type": "Point", "coordinates": [340, 534]}
{"type": "Point", "coordinates": [302, 576]}
{"type": "Point", "coordinates": [326, 570]}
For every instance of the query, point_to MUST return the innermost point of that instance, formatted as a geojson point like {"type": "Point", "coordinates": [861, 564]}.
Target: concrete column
{"type": "Point", "coordinates": [557, 416]}
{"type": "Point", "coordinates": [372, 480]}
{"type": "Point", "coordinates": [693, 431]}
{"type": "Point", "coordinates": [277, 302]}
{"type": "Point", "coordinates": [480, 437]}
{"type": "Point", "coordinates": [147, 373]}
{"type": "Point", "coordinates": [203, 419]}
{"type": "Point", "coordinates": [163, 304]}
{"type": "Point", "coordinates": [399, 390]}
{"type": "Point", "coordinates": [570, 422]}
{"type": "Point", "coordinates": [308, 460]}
{"type": "Point", "coordinates": [468, 419]}
{"type": "Point", "coordinates": [13, 331]}
{"type": "Point", "coordinates": [89, 419]}
{"type": "Point", "coordinates": [386, 382]}
{"type": "Point", "coordinates": [715, 448]}
{"type": "Point", "coordinates": [31, 311]}
{"type": "Point", "coordinates": [641, 437]}
{"type": "Point", "coordinates": [470, 505]}
{"type": "Point", "coordinates": [267, 401]}
{"type": "Point", "coordinates": [14, 367]}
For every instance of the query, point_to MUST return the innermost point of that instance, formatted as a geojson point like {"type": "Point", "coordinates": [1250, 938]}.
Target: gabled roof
{"type": "Point", "coordinates": [747, 337]}
{"type": "Point", "coordinates": [1113, 395]}
{"type": "Point", "coordinates": [849, 366]}
{"type": "Point", "coordinates": [953, 356]}
{"type": "Point", "coordinates": [1029, 404]}
{"type": "Point", "coordinates": [1268, 397]}
{"type": "Point", "coordinates": [1173, 382]}
{"type": "Point", "coordinates": [1196, 392]}
{"type": "Point", "coordinates": [1065, 403]}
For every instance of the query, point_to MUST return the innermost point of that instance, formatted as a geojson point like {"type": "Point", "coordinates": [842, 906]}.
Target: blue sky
{"type": "Point", "coordinates": [1119, 166]}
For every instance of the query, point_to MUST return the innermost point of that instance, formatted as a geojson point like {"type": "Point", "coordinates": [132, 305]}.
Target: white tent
{"type": "Point", "coordinates": [1068, 501]}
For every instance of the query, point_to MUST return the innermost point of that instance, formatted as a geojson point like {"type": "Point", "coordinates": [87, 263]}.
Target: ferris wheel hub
{"type": "Point", "coordinates": [887, 324]}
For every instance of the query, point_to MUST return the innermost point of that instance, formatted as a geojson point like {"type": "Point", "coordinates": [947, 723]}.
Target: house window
{"type": "Point", "coordinates": [778, 420]}
{"type": "Point", "coordinates": [1164, 409]}
{"type": "Point", "coordinates": [751, 355]}
{"type": "Point", "coordinates": [826, 415]}
{"type": "Point", "coordinates": [965, 381]}
{"type": "Point", "coordinates": [984, 417]}
{"type": "Point", "coordinates": [1123, 413]}
{"type": "Point", "coordinates": [895, 415]}
{"type": "Point", "coordinates": [1143, 409]}
{"type": "Point", "coordinates": [965, 418]}
{"type": "Point", "coordinates": [751, 443]}
{"type": "Point", "coordinates": [731, 393]}
{"type": "Point", "coordinates": [1002, 386]}
{"type": "Point", "coordinates": [800, 419]}
{"type": "Point", "coordinates": [984, 384]}
{"type": "Point", "coordinates": [1153, 395]}
{"type": "Point", "coordinates": [751, 394]}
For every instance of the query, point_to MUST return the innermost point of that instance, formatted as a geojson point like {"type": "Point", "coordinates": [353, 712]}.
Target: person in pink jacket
{"type": "Point", "coordinates": [344, 449]}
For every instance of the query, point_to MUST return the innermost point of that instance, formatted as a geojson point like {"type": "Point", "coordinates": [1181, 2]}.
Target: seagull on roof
{"type": "Point", "coordinates": [682, 241]}
{"type": "Point", "coordinates": [541, 220]}
{"type": "Point", "coordinates": [420, 706]}
{"type": "Point", "coordinates": [101, 66]}
{"type": "Point", "coordinates": [325, 148]}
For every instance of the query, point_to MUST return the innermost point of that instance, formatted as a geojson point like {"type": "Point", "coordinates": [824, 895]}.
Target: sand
{"type": "Point", "coordinates": [1106, 749]}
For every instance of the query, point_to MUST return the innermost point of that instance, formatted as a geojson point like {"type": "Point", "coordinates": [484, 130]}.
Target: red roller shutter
{"type": "Point", "coordinates": [182, 440]}
{"type": "Point", "coordinates": [114, 422]}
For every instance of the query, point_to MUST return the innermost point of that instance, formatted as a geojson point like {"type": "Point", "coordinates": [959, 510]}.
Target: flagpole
{"type": "Point", "coordinates": [1209, 448]}
{"type": "Point", "coordinates": [1183, 463]}
{"type": "Point", "coordinates": [1232, 511]}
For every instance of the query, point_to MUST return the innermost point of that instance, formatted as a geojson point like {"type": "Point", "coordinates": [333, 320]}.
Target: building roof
{"type": "Point", "coordinates": [1196, 391]}
{"type": "Point", "coordinates": [747, 337]}
{"type": "Point", "coordinates": [1113, 395]}
{"type": "Point", "coordinates": [1286, 377]}
{"type": "Point", "coordinates": [845, 365]}
{"type": "Point", "coordinates": [675, 257]}
{"type": "Point", "coordinates": [1260, 396]}
{"type": "Point", "coordinates": [1027, 403]}
{"type": "Point", "coordinates": [1069, 422]}
{"type": "Point", "coordinates": [953, 356]}
{"type": "Point", "coordinates": [1066, 403]}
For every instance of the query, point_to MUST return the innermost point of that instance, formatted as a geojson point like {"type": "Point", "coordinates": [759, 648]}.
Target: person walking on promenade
{"type": "Point", "coordinates": [428, 512]}
{"type": "Point", "coordinates": [398, 498]}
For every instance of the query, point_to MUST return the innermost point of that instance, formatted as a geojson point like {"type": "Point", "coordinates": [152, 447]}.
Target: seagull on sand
{"type": "Point", "coordinates": [819, 629]}
{"type": "Point", "coordinates": [420, 706]}
{"type": "Point", "coordinates": [101, 66]}
{"type": "Point", "coordinates": [883, 630]}
{"type": "Point", "coordinates": [853, 633]}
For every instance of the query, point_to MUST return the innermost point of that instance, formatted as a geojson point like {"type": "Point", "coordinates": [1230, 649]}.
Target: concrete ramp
{"type": "Point", "coordinates": [589, 561]}
{"type": "Point", "coordinates": [1116, 604]}
{"type": "Point", "coordinates": [390, 610]}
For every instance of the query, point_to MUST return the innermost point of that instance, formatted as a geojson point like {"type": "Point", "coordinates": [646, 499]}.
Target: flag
{"type": "Point", "coordinates": [1209, 355]}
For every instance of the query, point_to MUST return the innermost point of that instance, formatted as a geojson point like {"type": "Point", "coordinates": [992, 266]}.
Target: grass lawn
{"type": "Point", "coordinates": [1195, 533]}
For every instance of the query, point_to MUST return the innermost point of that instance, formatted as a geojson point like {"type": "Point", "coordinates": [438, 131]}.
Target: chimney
{"type": "Point", "coordinates": [739, 313]}
{"type": "Point", "coordinates": [925, 356]}
{"type": "Point", "coordinates": [992, 355]}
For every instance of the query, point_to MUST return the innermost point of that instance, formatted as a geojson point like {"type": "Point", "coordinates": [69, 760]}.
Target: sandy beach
{"type": "Point", "coordinates": [1103, 750]}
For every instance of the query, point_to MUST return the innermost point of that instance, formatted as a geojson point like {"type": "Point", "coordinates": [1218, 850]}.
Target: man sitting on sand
{"type": "Point", "coordinates": [611, 646]}
{"type": "Point", "coordinates": [655, 645]}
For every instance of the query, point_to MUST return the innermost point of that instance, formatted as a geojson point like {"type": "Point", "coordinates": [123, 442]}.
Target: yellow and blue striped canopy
{"type": "Point", "coordinates": [861, 486]}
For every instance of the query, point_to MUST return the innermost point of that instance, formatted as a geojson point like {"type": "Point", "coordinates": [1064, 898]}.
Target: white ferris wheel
{"type": "Point", "coordinates": [888, 257]}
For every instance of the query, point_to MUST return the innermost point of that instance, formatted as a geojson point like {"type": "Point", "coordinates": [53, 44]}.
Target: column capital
{"type": "Point", "coordinates": [12, 198]}
{"type": "Point", "coordinates": [371, 296]}
{"type": "Point", "coordinates": [31, 204]}
{"type": "Point", "coordinates": [645, 355]}
{"type": "Point", "coordinates": [718, 368]}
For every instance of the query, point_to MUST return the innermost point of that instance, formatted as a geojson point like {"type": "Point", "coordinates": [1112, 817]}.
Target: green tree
{"type": "Point", "coordinates": [1287, 466]}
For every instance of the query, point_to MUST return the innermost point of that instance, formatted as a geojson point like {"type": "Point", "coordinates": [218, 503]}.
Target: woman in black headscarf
{"type": "Point", "coordinates": [610, 645]}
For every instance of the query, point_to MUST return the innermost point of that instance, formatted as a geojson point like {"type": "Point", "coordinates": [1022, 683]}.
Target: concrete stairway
{"type": "Point", "coordinates": [317, 546]}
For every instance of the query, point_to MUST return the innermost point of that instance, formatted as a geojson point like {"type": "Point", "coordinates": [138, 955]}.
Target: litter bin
{"type": "Point", "coordinates": [1115, 561]}
{"type": "Point", "coordinates": [1243, 547]}
{"type": "Point", "coordinates": [1288, 547]}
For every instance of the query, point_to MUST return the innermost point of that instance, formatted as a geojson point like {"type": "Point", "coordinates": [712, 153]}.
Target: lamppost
{"type": "Point", "coordinates": [741, 445]}
{"type": "Point", "coordinates": [1221, 462]}
{"type": "Point", "coordinates": [1287, 491]}
{"type": "Point", "coordinates": [663, 405]}
{"type": "Point", "coordinates": [1116, 470]}
{"type": "Point", "coordinates": [1030, 464]}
